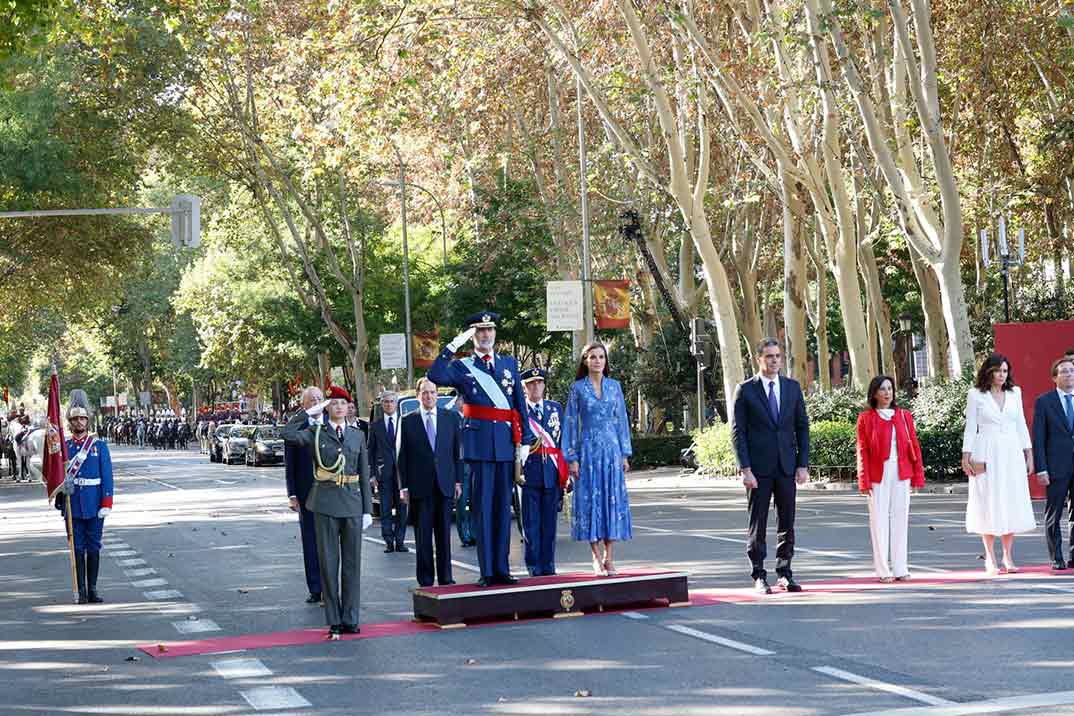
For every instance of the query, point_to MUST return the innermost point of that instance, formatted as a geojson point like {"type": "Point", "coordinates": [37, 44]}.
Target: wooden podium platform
{"type": "Point", "coordinates": [564, 595]}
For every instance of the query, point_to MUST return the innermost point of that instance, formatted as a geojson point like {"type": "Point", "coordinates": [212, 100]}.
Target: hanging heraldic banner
{"type": "Point", "coordinates": [565, 306]}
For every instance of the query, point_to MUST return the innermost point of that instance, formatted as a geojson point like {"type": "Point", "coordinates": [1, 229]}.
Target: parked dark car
{"type": "Point", "coordinates": [265, 446]}
{"type": "Point", "coordinates": [215, 442]}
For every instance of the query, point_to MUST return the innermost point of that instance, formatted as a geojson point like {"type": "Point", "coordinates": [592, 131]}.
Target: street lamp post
{"type": "Point", "coordinates": [439, 207]}
{"type": "Point", "coordinates": [1006, 260]}
{"type": "Point", "coordinates": [406, 272]}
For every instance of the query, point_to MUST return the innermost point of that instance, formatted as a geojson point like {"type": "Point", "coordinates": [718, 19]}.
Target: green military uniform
{"type": "Point", "coordinates": [339, 499]}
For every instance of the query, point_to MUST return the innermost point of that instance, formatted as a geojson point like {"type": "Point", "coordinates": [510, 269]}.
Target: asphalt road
{"type": "Point", "coordinates": [197, 550]}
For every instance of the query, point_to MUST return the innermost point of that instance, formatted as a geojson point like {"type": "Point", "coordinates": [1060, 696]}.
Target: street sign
{"type": "Point", "coordinates": [392, 351]}
{"type": "Point", "coordinates": [186, 221]}
{"type": "Point", "coordinates": [565, 306]}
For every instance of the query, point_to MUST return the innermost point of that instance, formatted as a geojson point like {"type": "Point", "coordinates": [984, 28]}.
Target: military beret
{"type": "Point", "coordinates": [533, 374]}
{"type": "Point", "coordinates": [337, 393]}
{"type": "Point", "coordinates": [484, 319]}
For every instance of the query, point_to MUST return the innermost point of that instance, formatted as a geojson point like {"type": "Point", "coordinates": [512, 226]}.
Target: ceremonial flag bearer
{"type": "Point", "coordinates": [88, 482]}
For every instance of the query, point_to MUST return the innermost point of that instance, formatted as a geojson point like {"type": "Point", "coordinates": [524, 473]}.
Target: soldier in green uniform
{"type": "Point", "coordinates": [340, 501]}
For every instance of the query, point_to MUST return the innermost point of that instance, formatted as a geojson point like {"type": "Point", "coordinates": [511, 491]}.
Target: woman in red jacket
{"type": "Point", "coordinates": [889, 464]}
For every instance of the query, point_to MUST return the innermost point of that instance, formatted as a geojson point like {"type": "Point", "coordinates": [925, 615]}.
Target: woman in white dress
{"type": "Point", "coordinates": [996, 457]}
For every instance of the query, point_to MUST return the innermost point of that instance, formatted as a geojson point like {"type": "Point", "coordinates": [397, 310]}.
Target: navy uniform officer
{"type": "Point", "coordinates": [495, 437]}
{"type": "Point", "coordinates": [89, 484]}
{"type": "Point", "coordinates": [340, 501]}
{"type": "Point", "coordinates": [545, 472]}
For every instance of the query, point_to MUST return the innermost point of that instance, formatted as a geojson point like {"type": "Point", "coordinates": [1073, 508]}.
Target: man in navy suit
{"type": "Point", "coordinates": [298, 472]}
{"type": "Point", "coordinates": [1053, 454]}
{"type": "Point", "coordinates": [383, 445]}
{"type": "Point", "coordinates": [770, 432]}
{"type": "Point", "coordinates": [544, 470]}
{"type": "Point", "coordinates": [495, 437]}
{"type": "Point", "coordinates": [430, 480]}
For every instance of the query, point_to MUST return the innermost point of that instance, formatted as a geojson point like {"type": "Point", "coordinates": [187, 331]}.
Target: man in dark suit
{"type": "Point", "coordinates": [298, 472]}
{"type": "Point", "coordinates": [340, 501]}
{"type": "Point", "coordinates": [770, 432]}
{"type": "Point", "coordinates": [1053, 454]}
{"type": "Point", "coordinates": [430, 479]}
{"type": "Point", "coordinates": [383, 446]}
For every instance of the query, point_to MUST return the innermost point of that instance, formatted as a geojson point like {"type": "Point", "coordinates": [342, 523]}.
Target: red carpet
{"type": "Point", "coordinates": [698, 597]}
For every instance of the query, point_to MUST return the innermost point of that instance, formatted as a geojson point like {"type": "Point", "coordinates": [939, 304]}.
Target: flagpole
{"type": "Point", "coordinates": [71, 547]}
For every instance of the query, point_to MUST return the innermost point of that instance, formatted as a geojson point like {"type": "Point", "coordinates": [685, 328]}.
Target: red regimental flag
{"type": "Point", "coordinates": [611, 303]}
{"type": "Point", "coordinates": [54, 459]}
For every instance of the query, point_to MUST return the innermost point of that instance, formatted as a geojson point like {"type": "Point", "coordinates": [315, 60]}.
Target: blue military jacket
{"type": "Point", "coordinates": [541, 470]}
{"type": "Point", "coordinates": [485, 440]}
{"type": "Point", "coordinates": [97, 468]}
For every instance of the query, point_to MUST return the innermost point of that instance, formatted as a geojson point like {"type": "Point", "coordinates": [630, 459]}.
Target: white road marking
{"type": "Point", "coordinates": [131, 562]}
{"type": "Point", "coordinates": [882, 686]}
{"type": "Point", "coordinates": [267, 698]}
{"type": "Point", "coordinates": [118, 545]}
{"type": "Point", "coordinates": [161, 482]}
{"type": "Point", "coordinates": [635, 615]}
{"type": "Point", "coordinates": [163, 594]}
{"type": "Point", "coordinates": [461, 565]}
{"type": "Point", "coordinates": [240, 668]}
{"type": "Point", "coordinates": [729, 643]}
{"type": "Point", "coordinates": [195, 626]}
{"type": "Point", "coordinates": [155, 582]}
{"type": "Point", "coordinates": [125, 553]}
{"type": "Point", "coordinates": [179, 609]}
{"type": "Point", "coordinates": [139, 572]}
{"type": "Point", "coordinates": [1005, 704]}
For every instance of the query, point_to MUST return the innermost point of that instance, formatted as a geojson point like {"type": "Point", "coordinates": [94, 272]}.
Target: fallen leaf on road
{"type": "Point", "coordinates": [243, 591]}
{"type": "Point", "coordinates": [471, 662]}
{"type": "Point", "coordinates": [931, 528]}
{"type": "Point", "coordinates": [132, 658]}
{"type": "Point", "coordinates": [161, 648]}
{"type": "Point", "coordinates": [583, 692]}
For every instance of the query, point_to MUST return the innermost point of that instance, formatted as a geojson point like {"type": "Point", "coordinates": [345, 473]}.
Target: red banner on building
{"type": "Point", "coordinates": [611, 303]}
{"type": "Point", "coordinates": [54, 459]}
{"type": "Point", "coordinates": [426, 348]}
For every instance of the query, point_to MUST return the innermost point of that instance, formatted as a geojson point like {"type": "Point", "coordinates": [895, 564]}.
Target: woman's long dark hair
{"type": "Point", "coordinates": [874, 385]}
{"type": "Point", "coordinates": [991, 365]}
{"type": "Point", "coordinates": [583, 369]}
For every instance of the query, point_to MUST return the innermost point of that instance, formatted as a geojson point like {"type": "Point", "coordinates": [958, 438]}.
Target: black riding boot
{"type": "Point", "coordinates": [93, 566]}
{"type": "Point", "coordinates": [80, 574]}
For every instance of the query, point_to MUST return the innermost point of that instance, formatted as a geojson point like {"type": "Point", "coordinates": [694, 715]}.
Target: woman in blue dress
{"type": "Point", "coordinates": [596, 445]}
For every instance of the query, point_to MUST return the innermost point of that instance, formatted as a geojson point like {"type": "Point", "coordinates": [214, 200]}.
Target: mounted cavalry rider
{"type": "Point", "coordinates": [88, 481]}
{"type": "Point", "coordinates": [496, 438]}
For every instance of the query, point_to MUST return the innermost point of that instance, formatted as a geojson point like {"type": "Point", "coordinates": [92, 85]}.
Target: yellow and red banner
{"type": "Point", "coordinates": [425, 348]}
{"type": "Point", "coordinates": [611, 303]}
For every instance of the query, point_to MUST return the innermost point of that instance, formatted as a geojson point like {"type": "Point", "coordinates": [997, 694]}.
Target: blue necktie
{"type": "Point", "coordinates": [773, 406]}
{"type": "Point", "coordinates": [430, 430]}
{"type": "Point", "coordinates": [1070, 411]}
{"type": "Point", "coordinates": [391, 430]}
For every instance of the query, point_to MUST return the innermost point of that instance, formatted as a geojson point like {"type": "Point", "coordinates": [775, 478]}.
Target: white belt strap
{"type": "Point", "coordinates": [87, 481]}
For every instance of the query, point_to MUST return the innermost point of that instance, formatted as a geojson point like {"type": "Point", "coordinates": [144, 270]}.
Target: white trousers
{"type": "Point", "coordinates": [889, 517]}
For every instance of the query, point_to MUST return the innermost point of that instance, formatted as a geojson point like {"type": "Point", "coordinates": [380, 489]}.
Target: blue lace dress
{"type": "Point", "coordinates": [596, 434]}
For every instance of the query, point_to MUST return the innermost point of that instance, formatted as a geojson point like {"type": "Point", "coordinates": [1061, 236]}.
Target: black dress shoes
{"type": "Point", "coordinates": [1059, 564]}
{"type": "Point", "coordinates": [447, 583]}
{"type": "Point", "coordinates": [485, 582]}
{"type": "Point", "coordinates": [349, 628]}
{"type": "Point", "coordinates": [335, 629]}
{"type": "Point", "coordinates": [401, 548]}
{"type": "Point", "coordinates": [760, 585]}
{"type": "Point", "coordinates": [505, 579]}
{"type": "Point", "coordinates": [789, 584]}
{"type": "Point", "coordinates": [1070, 564]}
{"type": "Point", "coordinates": [314, 598]}
{"type": "Point", "coordinates": [389, 548]}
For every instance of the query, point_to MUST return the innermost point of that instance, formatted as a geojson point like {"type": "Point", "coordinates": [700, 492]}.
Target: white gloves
{"type": "Point", "coordinates": [317, 409]}
{"type": "Point", "coordinates": [367, 521]}
{"type": "Point", "coordinates": [522, 453]}
{"type": "Point", "coordinates": [460, 340]}
{"type": "Point", "coordinates": [104, 512]}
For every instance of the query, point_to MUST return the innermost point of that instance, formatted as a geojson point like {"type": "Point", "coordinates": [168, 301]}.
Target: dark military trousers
{"type": "Point", "coordinates": [339, 551]}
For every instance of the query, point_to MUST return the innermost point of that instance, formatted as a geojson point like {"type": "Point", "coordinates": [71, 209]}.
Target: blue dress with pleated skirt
{"type": "Point", "coordinates": [596, 435]}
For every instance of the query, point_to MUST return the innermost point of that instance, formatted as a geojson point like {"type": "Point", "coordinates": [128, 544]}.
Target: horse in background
{"type": "Point", "coordinates": [29, 444]}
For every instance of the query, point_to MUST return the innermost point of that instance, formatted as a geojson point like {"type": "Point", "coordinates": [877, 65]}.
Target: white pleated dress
{"type": "Point", "coordinates": [999, 500]}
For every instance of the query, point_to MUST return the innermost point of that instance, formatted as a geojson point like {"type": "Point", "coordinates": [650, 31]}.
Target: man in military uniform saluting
{"type": "Point", "coordinates": [88, 481]}
{"type": "Point", "coordinates": [495, 436]}
{"type": "Point", "coordinates": [340, 501]}
{"type": "Point", "coordinates": [546, 475]}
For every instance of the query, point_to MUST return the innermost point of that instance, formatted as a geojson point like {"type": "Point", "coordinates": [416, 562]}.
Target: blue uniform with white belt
{"type": "Point", "coordinates": [541, 493]}
{"type": "Point", "coordinates": [92, 491]}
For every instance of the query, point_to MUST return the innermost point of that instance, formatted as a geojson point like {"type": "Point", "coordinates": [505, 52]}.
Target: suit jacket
{"type": "Point", "coordinates": [419, 468]}
{"type": "Point", "coordinates": [381, 449]}
{"type": "Point", "coordinates": [485, 440]}
{"type": "Point", "coordinates": [765, 446]}
{"type": "Point", "coordinates": [1053, 442]}
{"type": "Point", "coordinates": [298, 465]}
{"type": "Point", "coordinates": [326, 497]}
{"type": "Point", "coordinates": [541, 470]}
